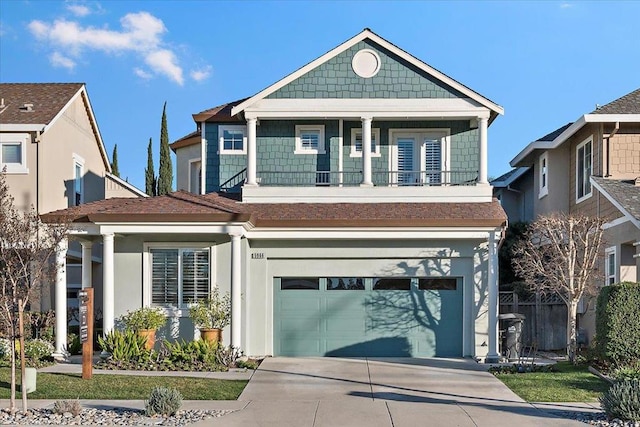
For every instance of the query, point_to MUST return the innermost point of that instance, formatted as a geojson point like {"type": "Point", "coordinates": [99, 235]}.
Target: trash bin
{"type": "Point", "coordinates": [511, 330]}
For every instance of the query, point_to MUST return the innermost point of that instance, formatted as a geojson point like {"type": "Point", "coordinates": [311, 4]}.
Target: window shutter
{"type": "Point", "coordinates": [164, 286]}
{"type": "Point", "coordinates": [433, 160]}
{"type": "Point", "coordinates": [195, 275]}
{"type": "Point", "coordinates": [406, 173]}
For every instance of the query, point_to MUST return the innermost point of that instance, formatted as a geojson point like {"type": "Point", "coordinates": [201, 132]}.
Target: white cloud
{"type": "Point", "coordinates": [59, 60]}
{"type": "Point", "coordinates": [141, 34]}
{"type": "Point", "coordinates": [142, 73]}
{"type": "Point", "coordinates": [565, 5]}
{"type": "Point", "coordinates": [201, 74]}
{"type": "Point", "coordinates": [78, 9]}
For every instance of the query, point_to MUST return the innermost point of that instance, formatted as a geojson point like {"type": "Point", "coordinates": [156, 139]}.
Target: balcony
{"type": "Point", "coordinates": [354, 179]}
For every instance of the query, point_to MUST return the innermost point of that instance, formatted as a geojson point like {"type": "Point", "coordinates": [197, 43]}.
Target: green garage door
{"type": "Point", "coordinates": [375, 317]}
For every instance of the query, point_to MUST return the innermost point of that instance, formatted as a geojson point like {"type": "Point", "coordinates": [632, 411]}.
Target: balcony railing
{"type": "Point", "coordinates": [351, 179]}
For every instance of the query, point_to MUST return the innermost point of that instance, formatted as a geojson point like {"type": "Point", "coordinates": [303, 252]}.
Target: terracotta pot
{"type": "Point", "coordinates": [150, 334]}
{"type": "Point", "coordinates": [211, 335]}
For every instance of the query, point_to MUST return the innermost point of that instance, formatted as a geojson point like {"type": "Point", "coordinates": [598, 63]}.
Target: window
{"type": "Point", "coordinates": [179, 276]}
{"type": "Point", "coordinates": [437, 284]}
{"type": "Point", "coordinates": [610, 266]}
{"type": "Point", "coordinates": [345, 284]}
{"type": "Point", "coordinates": [233, 139]}
{"type": "Point", "coordinates": [584, 159]}
{"type": "Point", "coordinates": [13, 149]}
{"type": "Point", "coordinates": [195, 176]}
{"type": "Point", "coordinates": [78, 181]}
{"type": "Point", "coordinates": [309, 139]}
{"type": "Point", "coordinates": [544, 175]}
{"type": "Point", "coordinates": [392, 284]}
{"type": "Point", "coordinates": [300, 283]}
{"type": "Point", "coordinates": [356, 142]}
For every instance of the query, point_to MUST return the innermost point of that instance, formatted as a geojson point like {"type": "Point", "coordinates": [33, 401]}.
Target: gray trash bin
{"type": "Point", "coordinates": [511, 330]}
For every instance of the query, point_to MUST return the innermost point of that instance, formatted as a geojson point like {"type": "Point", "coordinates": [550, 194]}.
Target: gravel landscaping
{"type": "Point", "coordinates": [102, 417]}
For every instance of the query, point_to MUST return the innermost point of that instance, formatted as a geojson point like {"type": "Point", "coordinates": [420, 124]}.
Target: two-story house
{"type": "Point", "coordinates": [345, 207]}
{"type": "Point", "coordinates": [53, 157]}
{"type": "Point", "coordinates": [592, 166]}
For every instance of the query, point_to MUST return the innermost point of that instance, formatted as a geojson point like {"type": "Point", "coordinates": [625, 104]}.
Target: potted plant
{"type": "Point", "coordinates": [211, 315]}
{"type": "Point", "coordinates": [145, 321]}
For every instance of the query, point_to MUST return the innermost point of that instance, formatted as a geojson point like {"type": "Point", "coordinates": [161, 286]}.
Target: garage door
{"type": "Point", "coordinates": [375, 317]}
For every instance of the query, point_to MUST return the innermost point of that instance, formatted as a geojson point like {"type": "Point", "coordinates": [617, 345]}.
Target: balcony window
{"type": "Point", "coordinates": [309, 139]}
{"type": "Point", "coordinates": [233, 139]}
{"type": "Point", "coordinates": [356, 142]}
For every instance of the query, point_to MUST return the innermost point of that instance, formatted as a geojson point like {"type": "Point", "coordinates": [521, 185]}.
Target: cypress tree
{"type": "Point", "coordinates": [149, 174]}
{"type": "Point", "coordinates": [114, 164]}
{"type": "Point", "coordinates": [165, 174]}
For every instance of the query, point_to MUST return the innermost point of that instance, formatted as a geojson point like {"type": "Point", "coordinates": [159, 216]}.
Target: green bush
{"type": "Point", "coordinates": [124, 346]}
{"type": "Point", "coordinates": [74, 346]}
{"type": "Point", "coordinates": [617, 328]}
{"type": "Point", "coordinates": [627, 373]}
{"type": "Point", "coordinates": [163, 401]}
{"type": "Point", "coordinates": [38, 349]}
{"type": "Point", "coordinates": [5, 349]}
{"type": "Point", "coordinates": [144, 318]}
{"type": "Point", "coordinates": [622, 400]}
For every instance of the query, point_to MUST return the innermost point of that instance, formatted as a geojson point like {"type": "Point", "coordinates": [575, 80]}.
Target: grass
{"type": "Point", "coordinates": [570, 384]}
{"type": "Point", "coordinates": [105, 386]}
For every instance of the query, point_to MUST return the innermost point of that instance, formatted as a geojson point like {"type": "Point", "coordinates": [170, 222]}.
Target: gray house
{"type": "Point", "coordinates": [346, 208]}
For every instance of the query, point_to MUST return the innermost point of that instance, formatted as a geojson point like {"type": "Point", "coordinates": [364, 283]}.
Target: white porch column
{"type": "Point", "coordinates": [366, 152]}
{"type": "Point", "coordinates": [251, 151]}
{"type": "Point", "coordinates": [482, 172]}
{"type": "Point", "coordinates": [236, 291]}
{"type": "Point", "coordinates": [86, 264]}
{"type": "Point", "coordinates": [492, 284]}
{"type": "Point", "coordinates": [108, 316]}
{"type": "Point", "coordinates": [61, 299]}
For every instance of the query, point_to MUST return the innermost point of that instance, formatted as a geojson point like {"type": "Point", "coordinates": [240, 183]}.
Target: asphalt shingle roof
{"type": "Point", "coordinates": [625, 192]}
{"type": "Point", "coordinates": [47, 99]}
{"type": "Point", "coordinates": [628, 104]}
{"type": "Point", "coordinates": [553, 135]}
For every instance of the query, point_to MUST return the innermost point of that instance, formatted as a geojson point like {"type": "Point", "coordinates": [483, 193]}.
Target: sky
{"type": "Point", "coordinates": [546, 63]}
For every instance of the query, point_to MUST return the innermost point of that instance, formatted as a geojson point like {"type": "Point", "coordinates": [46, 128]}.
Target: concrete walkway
{"type": "Point", "coordinates": [319, 392]}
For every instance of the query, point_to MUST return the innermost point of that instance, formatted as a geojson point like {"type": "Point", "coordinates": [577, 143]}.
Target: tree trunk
{"type": "Point", "coordinates": [572, 313]}
{"type": "Point", "coordinates": [12, 401]}
{"type": "Point", "coordinates": [23, 387]}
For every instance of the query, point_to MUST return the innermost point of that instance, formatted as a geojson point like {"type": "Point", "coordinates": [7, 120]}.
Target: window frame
{"type": "Point", "coordinates": [15, 139]}
{"type": "Point", "coordinates": [543, 175]}
{"type": "Point", "coordinates": [608, 253]}
{"type": "Point", "coordinates": [375, 134]}
{"type": "Point", "coordinates": [586, 179]}
{"type": "Point", "coordinates": [221, 129]}
{"type": "Point", "coordinates": [78, 162]}
{"type": "Point", "coordinates": [147, 271]}
{"type": "Point", "coordinates": [309, 128]}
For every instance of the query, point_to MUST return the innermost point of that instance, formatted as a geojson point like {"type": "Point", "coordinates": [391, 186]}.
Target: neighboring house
{"type": "Point", "coordinates": [54, 157]}
{"type": "Point", "coordinates": [346, 208]}
{"type": "Point", "coordinates": [514, 191]}
{"type": "Point", "coordinates": [592, 166]}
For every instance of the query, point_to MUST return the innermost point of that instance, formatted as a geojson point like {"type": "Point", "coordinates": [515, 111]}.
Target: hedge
{"type": "Point", "coordinates": [618, 324]}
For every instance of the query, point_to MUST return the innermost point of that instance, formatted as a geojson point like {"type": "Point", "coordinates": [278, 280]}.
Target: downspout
{"type": "Point", "coordinates": [37, 141]}
{"type": "Point", "coordinates": [608, 147]}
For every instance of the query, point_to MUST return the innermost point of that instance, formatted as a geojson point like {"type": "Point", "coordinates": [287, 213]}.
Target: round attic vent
{"type": "Point", "coordinates": [366, 63]}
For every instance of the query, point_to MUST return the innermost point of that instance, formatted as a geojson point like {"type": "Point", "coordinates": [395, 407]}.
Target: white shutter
{"type": "Point", "coordinates": [433, 160]}
{"type": "Point", "coordinates": [164, 276]}
{"type": "Point", "coordinates": [195, 275]}
{"type": "Point", "coordinates": [405, 161]}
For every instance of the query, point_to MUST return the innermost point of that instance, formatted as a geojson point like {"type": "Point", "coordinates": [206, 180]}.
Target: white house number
{"type": "Point", "coordinates": [257, 255]}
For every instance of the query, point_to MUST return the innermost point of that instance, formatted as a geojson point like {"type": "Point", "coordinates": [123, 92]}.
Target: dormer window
{"type": "Point", "coordinates": [232, 139]}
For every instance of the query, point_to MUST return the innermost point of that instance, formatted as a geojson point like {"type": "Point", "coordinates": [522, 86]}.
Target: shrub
{"type": "Point", "coordinates": [72, 406]}
{"type": "Point", "coordinates": [622, 400]}
{"type": "Point", "coordinates": [627, 373]}
{"type": "Point", "coordinates": [212, 313]}
{"type": "Point", "coordinates": [192, 355]}
{"type": "Point", "coordinates": [5, 349]}
{"type": "Point", "coordinates": [124, 346]}
{"type": "Point", "coordinates": [144, 318]}
{"type": "Point", "coordinates": [163, 401]}
{"type": "Point", "coordinates": [38, 349]}
{"type": "Point", "coordinates": [74, 345]}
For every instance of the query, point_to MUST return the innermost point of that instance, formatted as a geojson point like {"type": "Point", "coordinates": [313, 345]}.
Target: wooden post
{"type": "Point", "coordinates": [23, 365]}
{"type": "Point", "coordinates": [86, 331]}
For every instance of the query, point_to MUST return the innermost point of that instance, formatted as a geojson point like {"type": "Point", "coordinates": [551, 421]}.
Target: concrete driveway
{"type": "Point", "coordinates": [385, 392]}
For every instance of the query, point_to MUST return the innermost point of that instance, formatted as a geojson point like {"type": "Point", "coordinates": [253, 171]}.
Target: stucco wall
{"type": "Point", "coordinates": [558, 177]}
{"type": "Point", "coordinates": [183, 156]}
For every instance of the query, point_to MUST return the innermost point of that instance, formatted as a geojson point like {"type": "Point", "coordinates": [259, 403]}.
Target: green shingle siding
{"type": "Point", "coordinates": [336, 79]}
{"type": "Point", "coordinates": [220, 167]}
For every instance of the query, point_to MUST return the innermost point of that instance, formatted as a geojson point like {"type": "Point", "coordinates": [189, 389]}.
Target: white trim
{"type": "Point", "coordinates": [615, 222]}
{"type": "Point", "coordinates": [615, 203]}
{"type": "Point", "coordinates": [203, 157]}
{"type": "Point", "coordinates": [191, 161]}
{"type": "Point", "coordinates": [375, 134]}
{"type": "Point", "coordinates": [612, 250]}
{"type": "Point", "coordinates": [443, 133]}
{"type": "Point", "coordinates": [588, 140]}
{"type": "Point", "coordinates": [10, 127]}
{"type": "Point", "coordinates": [126, 184]}
{"type": "Point", "coordinates": [309, 128]}
{"type": "Point", "coordinates": [543, 175]}
{"type": "Point", "coordinates": [340, 150]}
{"type": "Point", "coordinates": [357, 63]}
{"type": "Point", "coordinates": [78, 161]}
{"type": "Point", "coordinates": [20, 139]}
{"type": "Point", "coordinates": [391, 233]}
{"type": "Point", "coordinates": [221, 129]}
{"type": "Point", "coordinates": [367, 34]}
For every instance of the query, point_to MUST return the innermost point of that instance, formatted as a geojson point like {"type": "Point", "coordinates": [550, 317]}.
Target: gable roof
{"type": "Point", "coordinates": [368, 34]}
{"type": "Point", "coordinates": [509, 178]}
{"type": "Point", "coordinates": [181, 206]}
{"type": "Point", "coordinates": [623, 194]}
{"type": "Point", "coordinates": [49, 101]}
{"type": "Point", "coordinates": [625, 109]}
{"type": "Point", "coordinates": [193, 138]}
{"type": "Point", "coordinates": [221, 113]}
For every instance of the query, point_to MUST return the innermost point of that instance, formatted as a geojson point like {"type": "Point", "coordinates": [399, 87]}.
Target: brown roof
{"type": "Point", "coordinates": [628, 104]}
{"type": "Point", "coordinates": [47, 99]}
{"type": "Point", "coordinates": [192, 139]}
{"type": "Point", "coordinates": [221, 113]}
{"type": "Point", "coordinates": [181, 206]}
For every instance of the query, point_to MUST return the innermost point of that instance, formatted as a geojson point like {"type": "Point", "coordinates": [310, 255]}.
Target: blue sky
{"type": "Point", "coordinates": [546, 62]}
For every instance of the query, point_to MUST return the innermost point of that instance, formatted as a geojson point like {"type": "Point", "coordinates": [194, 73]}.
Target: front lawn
{"type": "Point", "coordinates": [105, 386]}
{"type": "Point", "coordinates": [569, 384]}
